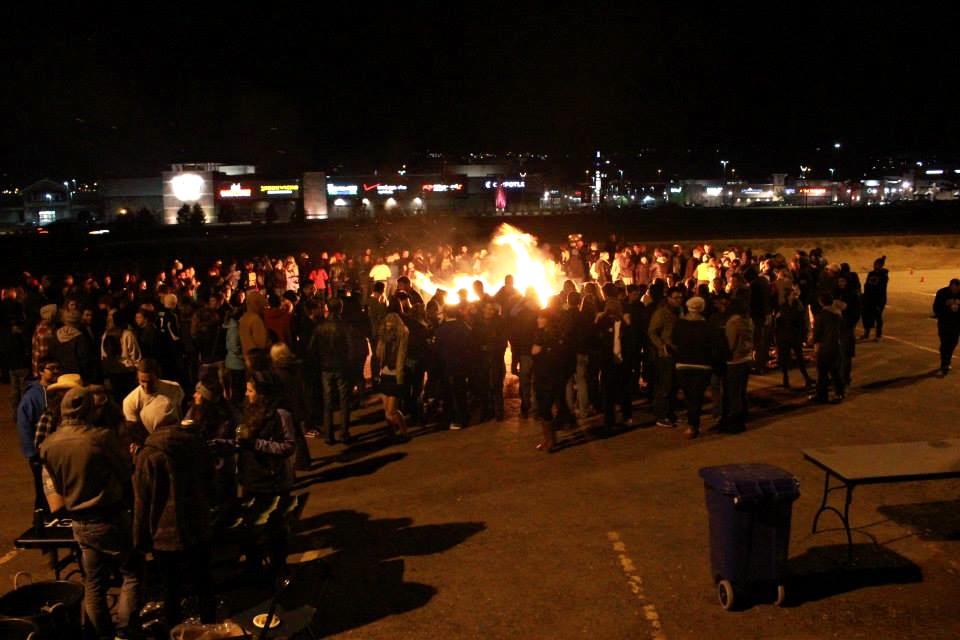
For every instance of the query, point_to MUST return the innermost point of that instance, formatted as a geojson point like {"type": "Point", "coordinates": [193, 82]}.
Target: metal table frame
{"type": "Point", "coordinates": [849, 484]}
{"type": "Point", "coordinates": [30, 540]}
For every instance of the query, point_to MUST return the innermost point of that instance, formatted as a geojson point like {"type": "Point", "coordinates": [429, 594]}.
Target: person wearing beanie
{"type": "Point", "coordinates": [85, 472]}
{"type": "Point", "coordinates": [173, 490]}
{"type": "Point", "coordinates": [43, 336]}
{"type": "Point", "coordinates": [699, 348]}
{"type": "Point", "coordinates": [875, 298]}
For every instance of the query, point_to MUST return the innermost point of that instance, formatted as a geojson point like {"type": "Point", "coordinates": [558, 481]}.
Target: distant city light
{"type": "Point", "coordinates": [390, 203]}
{"type": "Point", "coordinates": [339, 202]}
{"type": "Point", "coordinates": [934, 172]}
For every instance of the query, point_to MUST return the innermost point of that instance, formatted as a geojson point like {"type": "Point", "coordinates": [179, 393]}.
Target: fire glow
{"type": "Point", "coordinates": [512, 252]}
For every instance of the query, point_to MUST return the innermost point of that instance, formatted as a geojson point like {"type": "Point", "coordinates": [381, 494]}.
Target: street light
{"type": "Point", "coordinates": [724, 163]}
{"type": "Point", "coordinates": [832, 170]}
{"type": "Point", "coordinates": [836, 145]}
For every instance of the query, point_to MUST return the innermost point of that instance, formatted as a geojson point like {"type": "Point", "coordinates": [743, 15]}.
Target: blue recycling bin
{"type": "Point", "coordinates": [750, 506]}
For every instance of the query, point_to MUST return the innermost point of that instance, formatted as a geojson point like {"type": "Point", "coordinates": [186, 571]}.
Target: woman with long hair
{"type": "Point", "coordinates": [392, 344]}
{"type": "Point", "coordinates": [266, 442]}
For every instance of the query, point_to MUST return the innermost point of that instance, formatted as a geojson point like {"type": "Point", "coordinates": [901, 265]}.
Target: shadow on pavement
{"type": "Point", "coordinates": [362, 468]}
{"type": "Point", "coordinates": [362, 579]}
{"type": "Point", "coordinates": [897, 382]}
{"type": "Point", "coordinates": [930, 520]}
{"type": "Point", "coordinates": [823, 572]}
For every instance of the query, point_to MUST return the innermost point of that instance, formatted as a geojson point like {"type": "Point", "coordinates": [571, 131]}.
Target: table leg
{"type": "Point", "coordinates": [843, 515]}
{"type": "Point", "coordinates": [55, 562]}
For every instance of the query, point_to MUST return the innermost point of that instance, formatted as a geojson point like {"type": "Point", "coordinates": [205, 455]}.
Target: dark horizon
{"type": "Point", "coordinates": [100, 95]}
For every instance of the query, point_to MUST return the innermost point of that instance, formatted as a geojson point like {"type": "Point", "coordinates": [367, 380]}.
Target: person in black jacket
{"type": "Point", "coordinates": [946, 307]}
{"type": "Point", "coordinates": [875, 298]}
{"type": "Point", "coordinates": [699, 346]}
{"type": "Point", "coordinates": [848, 292]}
{"type": "Point", "coordinates": [827, 347]}
{"type": "Point", "coordinates": [455, 350]}
{"type": "Point", "coordinates": [491, 339]}
{"type": "Point", "coordinates": [333, 350]}
{"type": "Point", "coordinates": [613, 331]}
{"type": "Point", "coordinates": [266, 441]}
{"type": "Point", "coordinates": [548, 352]}
{"type": "Point", "coordinates": [790, 329]}
{"type": "Point", "coordinates": [521, 326]}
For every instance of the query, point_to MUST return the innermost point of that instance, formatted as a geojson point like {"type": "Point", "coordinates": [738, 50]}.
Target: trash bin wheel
{"type": "Point", "coordinates": [781, 596]}
{"type": "Point", "coordinates": [725, 594]}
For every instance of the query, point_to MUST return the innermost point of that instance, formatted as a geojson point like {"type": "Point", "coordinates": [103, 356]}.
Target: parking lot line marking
{"type": "Point", "coordinates": [635, 582]}
{"type": "Point", "coordinates": [10, 555]}
{"type": "Point", "coordinates": [912, 344]}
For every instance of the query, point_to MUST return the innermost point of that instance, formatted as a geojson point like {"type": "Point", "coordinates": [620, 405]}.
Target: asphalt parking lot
{"type": "Point", "coordinates": [475, 534]}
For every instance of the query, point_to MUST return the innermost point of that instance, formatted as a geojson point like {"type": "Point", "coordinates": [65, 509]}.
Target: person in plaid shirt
{"type": "Point", "coordinates": [50, 418]}
{"type": "Point", "coordinates": [43, 336]}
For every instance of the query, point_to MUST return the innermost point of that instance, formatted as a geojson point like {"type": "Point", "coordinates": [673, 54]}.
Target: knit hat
{"type": "Point", "coordinates": [170, 301]}
{"type": "Point", "coordinates": [696, 304]}
{"type": "Point", "coordinates": [66, 382]}
{"type": "Point", "coordinates": [75, 406]}
{"type": "Point", "coordinates": [48, 312]}
{"type": "Point", "coordinates": [158, 413]}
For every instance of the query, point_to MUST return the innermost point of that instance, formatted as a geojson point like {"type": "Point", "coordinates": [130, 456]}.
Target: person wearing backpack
{"type": "Point", "coordinates": [739, 334]}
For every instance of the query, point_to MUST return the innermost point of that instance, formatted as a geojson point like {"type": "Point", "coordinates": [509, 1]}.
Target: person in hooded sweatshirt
{"type": "Point", "coordinates": [699, 346]}
{"type": "Point", "coordinates": [875, 298]}
{"type": "Point", "coordinates": [252, 330]}
{"type": "Point", "coordinates": [827, 336]}
{"type": "Point", "coordinates": [173, 489]}
{"type": "Point", "coordinates": [31, 407]}
{"type": "Point", "coordinates": [75, 349]}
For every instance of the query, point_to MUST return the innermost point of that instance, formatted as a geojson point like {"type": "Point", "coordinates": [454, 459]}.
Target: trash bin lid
{"type": "Point", "coordinates": [752, 481]}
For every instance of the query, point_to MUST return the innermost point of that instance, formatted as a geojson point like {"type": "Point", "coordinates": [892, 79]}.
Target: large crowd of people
{"type": "Point", "coordinates": [143, 400]}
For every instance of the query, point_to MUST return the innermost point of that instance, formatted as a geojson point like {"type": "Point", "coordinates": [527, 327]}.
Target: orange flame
{"type": "Point", "coordinates": [512, 252]}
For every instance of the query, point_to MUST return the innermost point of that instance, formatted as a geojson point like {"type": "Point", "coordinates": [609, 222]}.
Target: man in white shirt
{"type": "Point", "coordinates": [149, 388]}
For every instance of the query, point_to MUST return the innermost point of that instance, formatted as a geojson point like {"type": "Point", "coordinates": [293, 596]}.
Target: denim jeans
{"type": "Point", "coordinates": [106, 547]}
{"type": "Point", "coordinates": [334, 382]}
{"type": "Point", "coordinates": [694, 383]}
{"type": "Point", "coordinates": [578, 389]}
{"type": "Point", "coordinates": [18, 384]}
{"type": "Point", "coordinates": [666, 389]}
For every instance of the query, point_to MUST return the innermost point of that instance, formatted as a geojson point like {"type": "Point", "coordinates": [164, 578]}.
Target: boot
{"type": "Point", "coordinates": [786, 381]}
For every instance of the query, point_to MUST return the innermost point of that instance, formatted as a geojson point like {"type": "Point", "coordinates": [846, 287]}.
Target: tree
{"type": "Point", "coordinates": [183, 214]}
{"type": "Point", "coordinates": [197, 217]}
{"type": "Point", "coordinates": [145, 217]}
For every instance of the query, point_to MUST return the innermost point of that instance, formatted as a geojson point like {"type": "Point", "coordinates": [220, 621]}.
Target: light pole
{"type": "Point", "coordinates": [724, 163]}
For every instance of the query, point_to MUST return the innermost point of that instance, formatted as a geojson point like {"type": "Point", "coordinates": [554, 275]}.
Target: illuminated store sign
{"type": "Point", "coordinates": [442, 188]}
{"type": "Point", "coordinates": [187, 187]}
{"type": "Point", "coordinates": [341, 189]}
{"type": "Point", "coordinates": [236, 191]}
{"type": "Point", "coordinates": [506, 184]}
{"type": "Point", "coordinates": [281, 189]}
{"type": "Point", "coordinates": [385, 189]}
{"type": "Point", "coordinates": [713, 192]}
{"type": "Point", "coordinates": [814, 191]}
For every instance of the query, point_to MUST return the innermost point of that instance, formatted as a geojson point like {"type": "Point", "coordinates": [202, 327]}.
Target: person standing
{"type": "Point", "coordinates": [790, 329]}
{"type": "Point", "coordinates": [549, 379]}
{"type": "Point", "coordinates": [946, 307]}
{"type": "Point", "coordinates": [660, 333]}
{"type": "Point", "coordinates": [333, 349]}
{"type": "Point", "coordinates": [699, 346]}
{"type": "Point", "coordinates": [173, 488]}
{"type": "Point", "coordinates": [392, 343]}
{"type": "Point", "coordinates": [739, 332]}
{"type": "Point", "coordinates": [827, 331]}
{"type": "Point", "coordinates": [149, 389]}
{"type": "Point", "coordinates": [455, 351]}
{"type": "Point", "coordinates": [252, 329]}
{"type": "Point", "coordinates": [492, 341]}
{"type": "Point", "coordinates": [31, 407]}
{"type": "Point", "coordinates": [847, 296]}
{"type": "Point", "coordinates": [86, 472]}
{"type": "Point", "coordinates": [613, 329]}
{"type": "Point", "coordinates": [521, 327]}
{"type": "Point", "coordinates": [267, 442]}
{"type": "Point", "coordinates": [875, 298]}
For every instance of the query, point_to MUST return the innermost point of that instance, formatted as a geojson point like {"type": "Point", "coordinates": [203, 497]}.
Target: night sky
{"type": "Point", "coordinates": [105, 95]}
